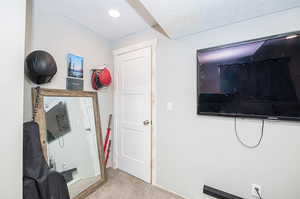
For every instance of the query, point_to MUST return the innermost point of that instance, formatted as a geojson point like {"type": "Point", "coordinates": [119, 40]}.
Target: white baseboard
{"type": "Point", "coordinates": [204, 196]}
{"type": "Point", "coordinates": [168, 190]}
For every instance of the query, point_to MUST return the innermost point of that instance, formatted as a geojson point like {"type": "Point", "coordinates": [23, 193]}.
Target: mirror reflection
{"type": "Point", "coordinates": [72, 141]}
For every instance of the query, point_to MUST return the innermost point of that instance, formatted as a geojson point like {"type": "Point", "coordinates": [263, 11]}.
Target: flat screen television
{"type": "Point", "coordinates": [258, 78]}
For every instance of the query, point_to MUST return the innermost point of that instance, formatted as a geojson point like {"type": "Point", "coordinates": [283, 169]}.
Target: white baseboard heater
{"type": "Point", "coordinates": [218, 193]}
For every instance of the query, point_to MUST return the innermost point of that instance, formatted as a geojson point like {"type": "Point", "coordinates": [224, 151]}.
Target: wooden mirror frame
{"type": "Point", "coordinates": [40, 119]}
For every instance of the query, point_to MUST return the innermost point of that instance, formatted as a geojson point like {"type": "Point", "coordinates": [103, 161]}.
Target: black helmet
{"type": "Point", "coordinates": [40, 67]}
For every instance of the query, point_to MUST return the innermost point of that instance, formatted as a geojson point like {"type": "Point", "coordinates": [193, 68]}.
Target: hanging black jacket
{"type": "Point", "coordinates": [39, 182]}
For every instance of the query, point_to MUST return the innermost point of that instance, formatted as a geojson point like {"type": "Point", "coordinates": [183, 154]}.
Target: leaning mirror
{"type": "Point", "coordinates": [71, 137]}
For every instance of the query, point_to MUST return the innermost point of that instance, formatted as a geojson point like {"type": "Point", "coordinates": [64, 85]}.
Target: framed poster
{"type": "Point", "coordinates": [75, 66]}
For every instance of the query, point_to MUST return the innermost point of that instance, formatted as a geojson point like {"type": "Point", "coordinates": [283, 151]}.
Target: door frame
{"type": "Point", "coordinates": [153, 44]}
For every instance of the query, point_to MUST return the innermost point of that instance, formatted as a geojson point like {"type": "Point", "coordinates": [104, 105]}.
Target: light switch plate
{"type": "Point", "coordinates": [170, 106]}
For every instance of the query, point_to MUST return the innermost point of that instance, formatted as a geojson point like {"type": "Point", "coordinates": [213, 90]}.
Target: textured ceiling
{"type": "Point", "coordinates": [175, 18]}
{"type": "Point", "coordinates": [179, 18]}
{"type": "Point", "coordinates": [94, 15]}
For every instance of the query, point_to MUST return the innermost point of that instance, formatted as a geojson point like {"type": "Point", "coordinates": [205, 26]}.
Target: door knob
{"type": "Point", "coordinates": [146, 122]}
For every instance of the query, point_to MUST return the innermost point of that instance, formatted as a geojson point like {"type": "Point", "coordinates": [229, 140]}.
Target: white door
{"type": "Point", "coordinates": [133, 107]}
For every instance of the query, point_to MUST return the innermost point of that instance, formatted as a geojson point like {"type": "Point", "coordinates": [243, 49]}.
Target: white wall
{"type": "Point", "coordinates": [12, 20]}
{"type": "Point", "coordinates": [59, 36]}
{"type": "Point", "coordinates": [194, 150]}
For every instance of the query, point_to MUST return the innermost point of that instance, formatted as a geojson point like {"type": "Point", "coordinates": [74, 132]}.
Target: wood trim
{"type": "Point", "coordinates": [40, 119]}
{"type": "Point", "coordinates": [153, 113]}
{"type": "Point", "coordinates": [135, 47]}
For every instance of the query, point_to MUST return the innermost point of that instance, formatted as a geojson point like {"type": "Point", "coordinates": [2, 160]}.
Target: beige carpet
{"type": "Point", "coordinates": [82, 184]}
{"type": "Point", "coordinates": [123, 186]}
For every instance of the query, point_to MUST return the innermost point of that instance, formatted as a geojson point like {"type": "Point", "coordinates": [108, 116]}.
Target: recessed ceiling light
{"type": "Point", "coordinates": [114, 13]}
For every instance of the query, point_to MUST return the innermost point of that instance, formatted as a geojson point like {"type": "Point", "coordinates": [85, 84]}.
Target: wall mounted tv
{"type": "Point", "coordinates": [258, 78]}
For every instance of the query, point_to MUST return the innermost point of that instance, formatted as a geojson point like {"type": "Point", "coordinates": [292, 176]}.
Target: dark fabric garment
{"type": "Point", "coordinates": [29, 189]}
{"type": "Point", "coordinates": [39, 182]}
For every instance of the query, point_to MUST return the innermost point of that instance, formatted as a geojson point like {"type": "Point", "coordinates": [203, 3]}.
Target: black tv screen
{"type": "Point", "coordinates": [258, 78]}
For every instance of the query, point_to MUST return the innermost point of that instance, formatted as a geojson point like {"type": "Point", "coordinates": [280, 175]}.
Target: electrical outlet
{"type": "Point", "coordinates": [253, 190]}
